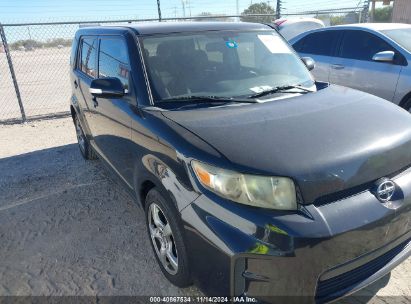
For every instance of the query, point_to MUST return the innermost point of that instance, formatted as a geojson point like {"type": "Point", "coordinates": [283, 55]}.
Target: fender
{"type": "Point", "coordinates": [162, 160]}
{"type": "Point", "coordinates": [151, 171]}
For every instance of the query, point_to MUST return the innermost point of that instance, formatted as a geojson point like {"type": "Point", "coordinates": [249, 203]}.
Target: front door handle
{"type": "Point", "coordinates": [95, 102]}
{"type": "Point", "coordinates": [337, 66]}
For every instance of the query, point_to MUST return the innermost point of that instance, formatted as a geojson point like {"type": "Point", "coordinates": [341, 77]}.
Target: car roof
{"type": "Point", "coordinates": [149, 28]}
{"type": "Point", "coordinates": [374, 26]}
{"type": "Point", "coordinates": [356, 26]}
{"type": "Point", "coordinates": [293, 20]}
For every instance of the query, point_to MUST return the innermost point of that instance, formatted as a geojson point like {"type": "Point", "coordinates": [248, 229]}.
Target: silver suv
{"type": "Point", "coordinates": [373, 57]}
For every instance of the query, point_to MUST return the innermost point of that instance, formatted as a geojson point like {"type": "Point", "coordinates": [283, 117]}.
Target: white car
{"type": "Point", "coordinates": [291, 27]}
{"type": "Point", "coordinates": [371, 57]}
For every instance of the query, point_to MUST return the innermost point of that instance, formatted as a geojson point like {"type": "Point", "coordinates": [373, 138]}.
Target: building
{"type": "Point", "coordinates": [402, 11]}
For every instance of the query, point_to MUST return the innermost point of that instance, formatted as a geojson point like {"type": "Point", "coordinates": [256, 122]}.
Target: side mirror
{"type": "Point", "coordinates": [309, 63]}
{"type": "Point", "coordinates": [109, 87]}
{"type": "Point", "coordinates": [386, 56]}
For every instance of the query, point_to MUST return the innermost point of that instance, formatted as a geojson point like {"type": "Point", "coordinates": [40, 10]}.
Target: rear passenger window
{"type": "Point", "coordinates": [361, 45]}
{"type": "Point", "coordinates": [113, 60]}
{"type": "Point", "coordinates": [87, 63]}
{"type": "Point", "coordinates": [319, 43]}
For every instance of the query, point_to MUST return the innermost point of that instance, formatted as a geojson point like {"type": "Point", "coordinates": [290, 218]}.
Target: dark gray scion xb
{"type": "Point", "coordinates": [255, 179]}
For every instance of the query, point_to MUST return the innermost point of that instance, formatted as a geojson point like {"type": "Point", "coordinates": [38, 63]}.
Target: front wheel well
{"type": "Point", "coordinates": [145, 187]}
{"type": "Point", "coordinates": [405, 100]}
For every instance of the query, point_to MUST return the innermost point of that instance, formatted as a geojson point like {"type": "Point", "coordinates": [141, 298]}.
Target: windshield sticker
{"type": "Point", "coordinates": [260, 89]}
{"type": "Point", "coordinates": [231, 44]}
{"type": "Point", "coordinates": [274, 44]}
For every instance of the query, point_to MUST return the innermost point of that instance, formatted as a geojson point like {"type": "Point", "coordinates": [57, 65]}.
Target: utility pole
{"type": "Point", "coordinates": [366, 10]}
{"type": "Point", "coordinates": [159, 10]}
{"type": "Point", "coordinates": [278, 10]}
{"type": "Point", "coordinates": [372, 11]}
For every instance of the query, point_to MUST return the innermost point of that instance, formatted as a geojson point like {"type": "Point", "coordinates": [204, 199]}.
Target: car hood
{"type": "Point", "coordinates": [327, 142]}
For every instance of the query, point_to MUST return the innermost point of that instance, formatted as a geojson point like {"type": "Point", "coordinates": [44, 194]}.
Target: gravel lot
{"type": "Point", "coordinates": [67, 229]}
{"type": "Point", "coordinates": [36, 73]}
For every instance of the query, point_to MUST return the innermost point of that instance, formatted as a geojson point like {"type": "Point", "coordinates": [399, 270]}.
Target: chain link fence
{"type": "Point", "coordinates": [39, 56]}
{"type": "Point", "coordinates": [34, 60]}
{"type": "Point", "coordinates": [336, 16]}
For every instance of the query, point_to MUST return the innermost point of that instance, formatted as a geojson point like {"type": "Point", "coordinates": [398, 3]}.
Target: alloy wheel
{"type": "Point", "coordinates": [162, 238]}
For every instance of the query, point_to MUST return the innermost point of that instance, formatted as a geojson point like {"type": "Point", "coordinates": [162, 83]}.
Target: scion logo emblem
{"type": "Point", "coordinates": [385, 190]}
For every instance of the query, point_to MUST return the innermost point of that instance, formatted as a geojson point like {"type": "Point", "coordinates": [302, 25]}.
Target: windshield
{"type": "Point", "coordinates": [401, 36]}
{"type": "Point", "coordinates": [220, 64]}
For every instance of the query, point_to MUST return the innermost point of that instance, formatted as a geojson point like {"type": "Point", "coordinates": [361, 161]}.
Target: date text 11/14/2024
{"type": "Point", "coordinates": [202, 299]}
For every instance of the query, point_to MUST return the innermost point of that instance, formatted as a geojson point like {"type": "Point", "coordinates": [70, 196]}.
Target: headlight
{"type": "Point", "coordinates": [260, 191]}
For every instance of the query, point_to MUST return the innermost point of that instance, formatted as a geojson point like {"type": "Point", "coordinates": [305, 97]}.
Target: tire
{"type": "Point", "coordinates": [167, 238]}
{"type": "Point", "coordinates": [83, 143]}
{"type": "Point", "coordinates": [407, 105]}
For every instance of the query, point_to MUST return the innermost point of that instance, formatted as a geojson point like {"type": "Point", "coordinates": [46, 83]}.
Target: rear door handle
{"type": "Point", "coordinates": [75, 84]}
{"type": "Point", "coordinates": [337, 66]}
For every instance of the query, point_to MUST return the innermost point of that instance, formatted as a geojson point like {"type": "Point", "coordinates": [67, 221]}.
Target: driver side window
{"type": "Point", "coordinates": [113, 60]}
{"type": "Point", "coordinates": [360, 45]}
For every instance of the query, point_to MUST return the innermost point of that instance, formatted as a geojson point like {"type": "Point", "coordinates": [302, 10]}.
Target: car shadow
{"type": "Point", "coordinates": [67, 228]}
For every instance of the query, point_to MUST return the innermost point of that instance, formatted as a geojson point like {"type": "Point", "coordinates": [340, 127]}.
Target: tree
{"type": "Point", "coordinates": [30, 43]}
{"type": "Point", "coordinates": [25, 44]}
{"type": "Point", "coordinates": [330, 19]}
{"type": "Point", "coordinates": [383, 14]}
{"type": "Point", "coordinates": [258, 8]}
{"type": "Point", "coordinates": [205, 14]}
{"type": "Point", "coordinates": [351, 17]}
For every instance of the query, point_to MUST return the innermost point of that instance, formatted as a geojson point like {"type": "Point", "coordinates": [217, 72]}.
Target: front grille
{"type": "Point", "coordinates": [330, 289]}
{"type": "Point", "coordinates": [343, 194]}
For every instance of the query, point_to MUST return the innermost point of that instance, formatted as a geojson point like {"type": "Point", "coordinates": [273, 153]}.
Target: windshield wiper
{"type": "Point", "coordinates": [204, 99]}
{"type": "Point", "coordinates": [281, 89]}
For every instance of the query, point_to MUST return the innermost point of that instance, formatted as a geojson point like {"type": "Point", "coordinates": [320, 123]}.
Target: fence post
{"type": "Point", "coordinates": [278, 9]}
{"type": "Point", "coordinates": [13, 75]}
{"type": "Point", "coordinates": [159, 10]}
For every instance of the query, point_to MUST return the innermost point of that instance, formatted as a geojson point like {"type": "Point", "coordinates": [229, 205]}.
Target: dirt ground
{"type": "Point", "coordinates": [67, 229]}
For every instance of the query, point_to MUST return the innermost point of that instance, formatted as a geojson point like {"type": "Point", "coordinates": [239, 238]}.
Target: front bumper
{"type": "Point", "coordinates": [317, 254]}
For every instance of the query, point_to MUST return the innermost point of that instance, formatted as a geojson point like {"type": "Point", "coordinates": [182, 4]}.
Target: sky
{"type": "Point", "coordinates": [34, 11]}
{"type": "Point", "coordinates": [15, 11]}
